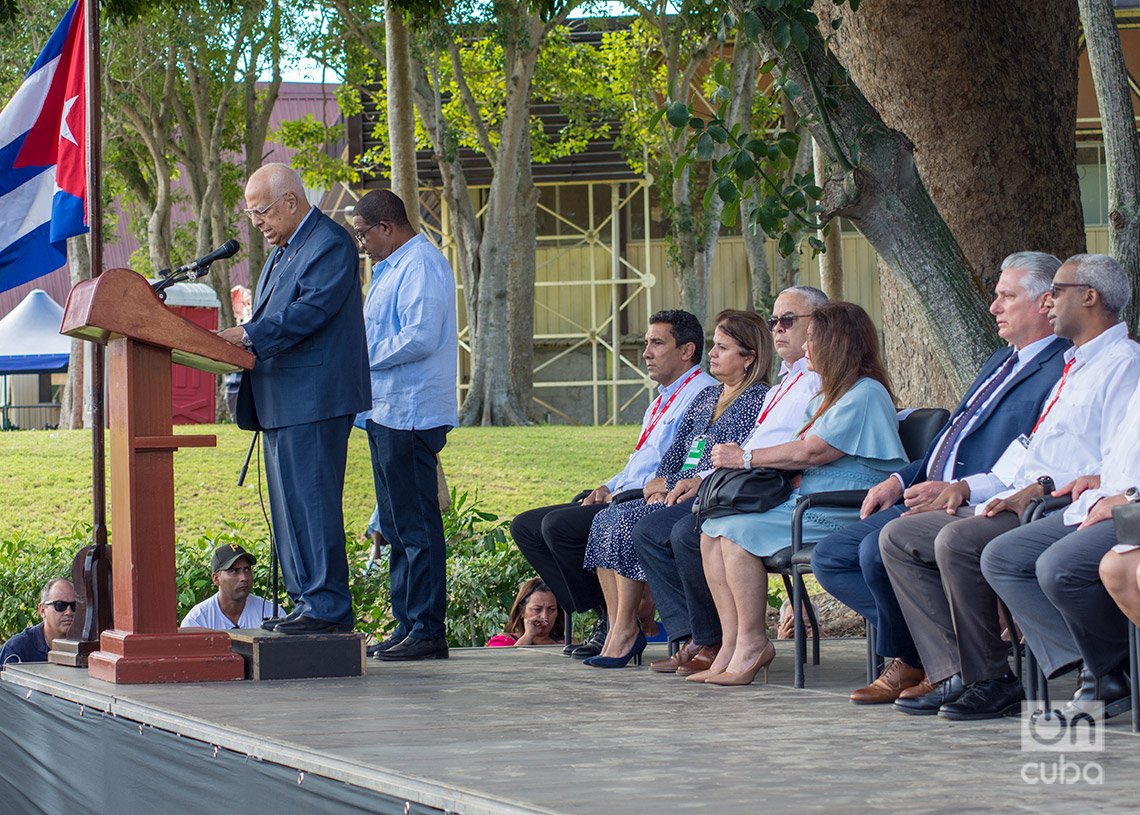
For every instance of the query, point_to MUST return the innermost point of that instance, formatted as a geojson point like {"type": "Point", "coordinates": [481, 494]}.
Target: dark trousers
{"type": "Point", "coordinates": [553, 540]}
{"type": "Point", "coordinates": [668, 544]}
{"type": "Point", "coordinates": [850, 568]}
{"type": "Point", "coordinates": [403, 468]}
{"type": "Point", "coordinates": [304, 469]}
{"type": "Point", "coordinates": [1049, 576]}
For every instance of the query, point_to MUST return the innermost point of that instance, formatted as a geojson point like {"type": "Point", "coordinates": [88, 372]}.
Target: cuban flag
{"type": "Point", "coordinates": [43, 167]}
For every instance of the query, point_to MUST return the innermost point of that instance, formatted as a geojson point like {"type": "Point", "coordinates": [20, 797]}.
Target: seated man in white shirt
{"type": "Point", "coordinates": [668, 542]}
{"type": "Point", "coordinates": [232, 606]}
{"type": "Point", "coordinates": [553, 539]}
{"type": "Point", "coordinates": [933, 558]}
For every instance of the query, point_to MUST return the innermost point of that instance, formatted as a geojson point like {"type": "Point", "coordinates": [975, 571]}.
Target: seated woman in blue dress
{"type": "Point", "coordinates": [741, 358]}
{"type": "Point", "coordinates": [850, 440]}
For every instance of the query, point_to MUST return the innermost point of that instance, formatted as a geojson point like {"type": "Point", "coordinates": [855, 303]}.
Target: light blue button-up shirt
{"type": "Point", "coordinates": [642, 464]}
{"type": "Point", "coordinates": [409, 315]}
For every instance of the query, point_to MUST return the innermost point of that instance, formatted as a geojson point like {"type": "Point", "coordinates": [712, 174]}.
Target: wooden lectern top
{"type": "Point", "coordinates": [121, 302]}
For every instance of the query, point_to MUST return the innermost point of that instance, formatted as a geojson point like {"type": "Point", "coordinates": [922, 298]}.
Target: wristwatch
{"type": "Point", "coordinates": [747, 456]}
{"type": "Point", "coordinates": [1132, 495]}
{"type": "Point", "coordinates": [1046, 482]}
{"type": "Point", "coordinates": [245, 340]}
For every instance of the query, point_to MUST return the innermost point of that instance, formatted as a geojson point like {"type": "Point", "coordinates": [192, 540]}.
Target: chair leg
{"type": "Point", "coordinates": [809, 609]}
{"type": "Point", "coordinates": [1029, 676]}
{"type": "Point", "coordinates": [567, 627]}
{"type": "Point", "coordinates": [872, 657]}
{"type": "Point", "coordinates": [1134, 673]}
{"type": "Point", "coordinates": [798, 628]}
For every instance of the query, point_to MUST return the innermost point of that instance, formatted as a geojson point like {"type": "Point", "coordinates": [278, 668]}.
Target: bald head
{"type": "Point", "coordinates": [275, 201]}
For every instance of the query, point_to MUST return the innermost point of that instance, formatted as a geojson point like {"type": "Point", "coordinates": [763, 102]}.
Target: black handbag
{"type": "Point", "coordinates": [729, 492]}
{"type": "Point", "coordinates": [1126, 519]}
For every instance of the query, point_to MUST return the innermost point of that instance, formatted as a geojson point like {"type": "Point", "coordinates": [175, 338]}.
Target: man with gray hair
{"type": "Point", "coordinates": [57, 608]}
{"type": "Point", "coordinates": [1001, 404]}
{"type": "Point", "coordinates": [934, 558]}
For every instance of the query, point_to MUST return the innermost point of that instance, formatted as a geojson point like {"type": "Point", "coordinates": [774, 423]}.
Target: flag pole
{"type": "Point", "coordinates": [95, 244]}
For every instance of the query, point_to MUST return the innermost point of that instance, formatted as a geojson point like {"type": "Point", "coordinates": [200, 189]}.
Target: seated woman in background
{"type": "Point", "coordinates": [535, 618]}
{"type": "Point", "coordinates": [849, 441]}
{"type": "Point", "coordinates": [741, 358]}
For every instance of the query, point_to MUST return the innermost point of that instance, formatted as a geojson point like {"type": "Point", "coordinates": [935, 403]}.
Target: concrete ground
{"type": "Point", "coordinates": [527, 730]}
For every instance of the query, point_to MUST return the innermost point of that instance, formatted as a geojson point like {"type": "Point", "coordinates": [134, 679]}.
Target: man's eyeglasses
{"type": "Point", "coordinates": [360, 235]}
{"type": "Point", "coordinates": [1060, 287]}
{"type": "Point", "coordinates": [785, 321]}
{"type": "Point", "coordinates": [61, 605]}
{"type": "Point", "coordinates": [261, 212]}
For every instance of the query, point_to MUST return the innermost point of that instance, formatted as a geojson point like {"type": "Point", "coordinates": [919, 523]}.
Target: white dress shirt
{"type": "Point", "coordinates": [1121, 468]}
{"type": "Point", "coordinates": [643, 461]}
{"type": "Point", "coordinates": [782, 416]}
{"type": "Point", "coordinates": [1082, 418]}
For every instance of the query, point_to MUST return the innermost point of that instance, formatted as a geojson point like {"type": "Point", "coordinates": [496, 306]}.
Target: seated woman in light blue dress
{"type": "Point", "coordinates": [850, 440]}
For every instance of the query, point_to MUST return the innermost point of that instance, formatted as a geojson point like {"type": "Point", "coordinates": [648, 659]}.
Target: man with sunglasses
{"type": "Point", "coordinates": [413, 347]}
{"type": "Point", "coordinates": [309, 381]}
{"type": "Point", "coordinates": [1002, 403]}
{"type": "Point", "coordinates": [57, 607]}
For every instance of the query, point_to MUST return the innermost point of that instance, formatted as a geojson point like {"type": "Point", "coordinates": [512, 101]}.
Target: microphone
{"type": "Point", "coordinates": [226, 250]}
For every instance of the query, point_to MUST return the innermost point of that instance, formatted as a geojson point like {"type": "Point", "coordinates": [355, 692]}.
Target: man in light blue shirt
{"type": "Point", "coordinates": [553, 539]}
{"type": "Point", "coordinates": [409, 316]}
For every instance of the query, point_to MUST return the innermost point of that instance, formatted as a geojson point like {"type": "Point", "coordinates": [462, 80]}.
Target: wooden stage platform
{"type": "Point", "coordinates": [507, 731]}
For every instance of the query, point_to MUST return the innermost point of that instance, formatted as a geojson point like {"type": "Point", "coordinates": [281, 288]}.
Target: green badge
{"type": "Point", "coordinates": [695, 452]}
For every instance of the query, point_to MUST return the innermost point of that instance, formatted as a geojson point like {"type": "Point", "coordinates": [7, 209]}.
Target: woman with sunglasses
{"type": "Point", "coordinates": [849, 440]}
{"type": "Point", "coordinates": [57, 607]}
{"type": "Point", "coordinates": [741, 358]}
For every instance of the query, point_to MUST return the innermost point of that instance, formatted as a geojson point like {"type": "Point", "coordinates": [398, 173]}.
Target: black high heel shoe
{"type": "Point", "coordinates": [622, 661]}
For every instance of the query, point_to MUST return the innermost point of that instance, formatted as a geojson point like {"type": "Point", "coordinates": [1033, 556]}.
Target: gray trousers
{"type": "Point", "coordinates": [933, 561]}
{"type": "Point", "coordinates": [1048, 575]}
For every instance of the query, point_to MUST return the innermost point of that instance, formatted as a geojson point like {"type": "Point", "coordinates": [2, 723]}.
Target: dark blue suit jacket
{"type": "Point", "coordinates": [1014, 411]}
{"type": "Point", "coordinates": [307, 330]}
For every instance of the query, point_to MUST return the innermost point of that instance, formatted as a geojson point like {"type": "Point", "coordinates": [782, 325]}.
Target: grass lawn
{"type": "Point", "coordinates": [45, 476]}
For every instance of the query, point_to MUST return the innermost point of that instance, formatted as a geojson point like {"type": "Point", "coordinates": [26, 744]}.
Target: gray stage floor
{"type": "Point", "coordinates": [528, 730]}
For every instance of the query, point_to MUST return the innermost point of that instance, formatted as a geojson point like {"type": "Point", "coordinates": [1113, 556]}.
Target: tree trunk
{"type": "Point", "coordinates": [759, 278]}
{"type": "Point", "coordinates": [401, 113]}
{"type": "Point", "coordinates": [788, 268]}
{"type": "Point", "coordinates": [1002, 178]}
{"type": "Point", "coordinates": [831, 260]}
{"type": "Point", "coordinates": [1121, 148]}
{"type": "Point", "coordinates": [72, 407]}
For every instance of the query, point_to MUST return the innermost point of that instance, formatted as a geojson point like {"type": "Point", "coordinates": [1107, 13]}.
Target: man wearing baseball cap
{"type": "Point", "coordinates": [232, 606]}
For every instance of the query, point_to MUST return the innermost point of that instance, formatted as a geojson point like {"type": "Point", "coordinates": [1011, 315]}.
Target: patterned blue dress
{"type": "Point", "coordinates": [864, 426]}
{"type": "Point", "coordinates": [610, 545]}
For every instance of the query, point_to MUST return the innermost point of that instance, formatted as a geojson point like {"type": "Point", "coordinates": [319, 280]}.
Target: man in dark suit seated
{"type": "Point", "coordinates": [1003, 402]}
{"type": "Point", "coordinates": [308, 383]}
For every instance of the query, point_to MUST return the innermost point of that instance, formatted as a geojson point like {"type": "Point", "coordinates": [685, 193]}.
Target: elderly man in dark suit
{"type": "Point", "coordinates": [309, 381]}
{"type": "Point", "coordinates": [1002, 403]}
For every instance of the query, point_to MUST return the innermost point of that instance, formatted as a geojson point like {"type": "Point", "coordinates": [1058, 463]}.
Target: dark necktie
{"type": "Point", "coordinates": [263, 281]}
{"type": "Point", "coordinates": [963, 418]}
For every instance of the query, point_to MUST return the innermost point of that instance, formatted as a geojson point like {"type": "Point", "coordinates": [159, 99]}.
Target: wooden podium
{"type": "Point", "coordinates": [143, 336]}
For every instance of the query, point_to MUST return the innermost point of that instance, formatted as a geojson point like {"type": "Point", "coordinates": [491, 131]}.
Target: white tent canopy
{"type": "Point", "coordinates": [30, 341]}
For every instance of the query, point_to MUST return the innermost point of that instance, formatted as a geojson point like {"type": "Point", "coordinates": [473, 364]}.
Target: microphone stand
{"type": "Point", "coordinates": [273, 564]}
{"type": "Point", "coordinates": [162, 285]}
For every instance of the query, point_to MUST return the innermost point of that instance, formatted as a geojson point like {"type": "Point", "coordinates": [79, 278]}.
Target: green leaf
{"type": "Point", "coordinates": [767, 67]}
{"type": "Point", "coordinates": [743, 165]}
{"type": "Point", "coordinates": [782, 35]}
{"type": "Point", "coordinates": [728, 216]}
{"type": "Point", "coordinates": [787, 244]}
{"type": "Point", "coordinates": [773, 5]}
{"type": "Point", "coordinates": [792, 90]}
{"type": "Point", "coordinates": [718, 133]}
{"type": "Point", "coordinates": [798, 36]}
{"type": "Point", "coordinates": [789, 144]}
{"type": "Point", "coordinates": [696, 123]}
{"type": "Point", "coordinates": [704, 147]}
{"type": "Point", "coordinates": [718, 72]}
{"type": "Point", "coordinates": [656, 117]}
{"type": "Point", "coordinates": [836, 23]}
{"type": "Point", "coordinates": [751, 24]}
{"type": "Point", "coordinates": [707, 202]}
{"type": "Point", "coordinates": [813, 192]}
{"type": "Point", "coordinates": [855, 155]}
{"type": "Point", "coordinates": [854, 4]}
{"type": "Point", "coordinates": [757, 148]}
{"type": "Point", "coordinates": [727, 191]}
{"type": "Point", "coordinates": [677, 114]}
{"type": "Point", "coordinates": [767, 221]}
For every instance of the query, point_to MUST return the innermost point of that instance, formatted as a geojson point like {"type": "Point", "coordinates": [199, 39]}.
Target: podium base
{"type": "Point", "coordinates": [73, 653]}
{"type": "Point", "coordinates": [189, 655]}
{"type": "Point", "coordinates": [269, 655]}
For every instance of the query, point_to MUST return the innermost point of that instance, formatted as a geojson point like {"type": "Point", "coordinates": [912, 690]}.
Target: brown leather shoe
{"type": "Point", "coordinates": [701, 661]}
{"type": "Point", "coordinates": [670, 665]}
{"type": "Point", "coordinates": [895, 678]}
{"type": "Point", "coordinates": [921, 689]}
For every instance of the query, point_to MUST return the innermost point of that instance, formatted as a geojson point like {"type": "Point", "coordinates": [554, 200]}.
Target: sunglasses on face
{"type": "Point", "coordinates": [785, 321]}
{"type": "Point", "coordinates": [61, 605]}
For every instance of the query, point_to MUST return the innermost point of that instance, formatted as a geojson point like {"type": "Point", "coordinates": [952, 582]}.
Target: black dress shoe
{"type": "Point", "coordinates": [987, 699]}
{"type": "Point", "coordinates": [946, 691]}
{"type": "Point", "coordinates": [272, 623]}
{"type": "Point", "coordinates": [412, 649]}
{"type": "Point", "coordinates": [312, 625]}
{"type": "Point", "coordinates": [1113, 689]}
{"type": "Point", "coordinates": [384, 645]}
{"type": "Point", "coordinates": [593, 646]}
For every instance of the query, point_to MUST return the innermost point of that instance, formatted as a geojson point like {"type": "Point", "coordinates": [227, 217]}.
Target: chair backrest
{"type": "Point", "coordinates": [918, 428]}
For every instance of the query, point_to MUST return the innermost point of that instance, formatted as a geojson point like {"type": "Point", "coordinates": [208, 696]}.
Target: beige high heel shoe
{"type": "Point", "coordinates": [746, 677]}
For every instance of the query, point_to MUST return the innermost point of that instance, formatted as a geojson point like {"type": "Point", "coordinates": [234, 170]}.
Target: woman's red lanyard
{"type": "Point", "coordinates": [776, 401]}
{"type": "Point", "coordinates": [1056, 396]}
{"type": "Point", "coordinates": [655, 415]}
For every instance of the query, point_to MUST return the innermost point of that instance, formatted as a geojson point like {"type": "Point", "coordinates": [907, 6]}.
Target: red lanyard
{"type": "Point", "coordinates": [655, 414]}
{"type": "Point", "coordinates": [1056, 396]}
{"type": "Point", "coordinates": [783, 392]}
